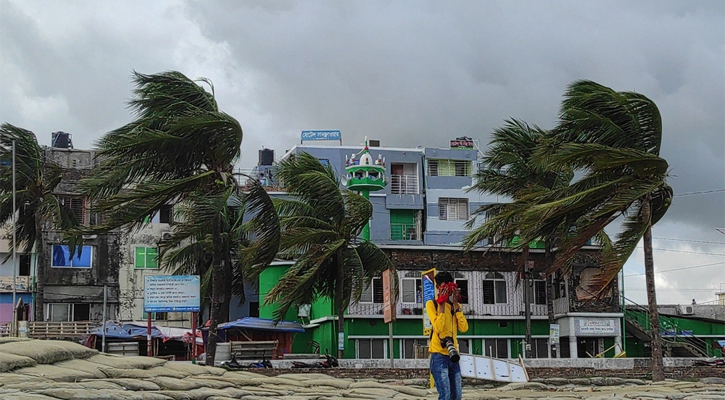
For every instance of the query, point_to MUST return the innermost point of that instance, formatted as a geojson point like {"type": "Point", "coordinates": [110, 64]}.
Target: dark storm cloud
{"type": "Point", "coordinates": [406, 72]}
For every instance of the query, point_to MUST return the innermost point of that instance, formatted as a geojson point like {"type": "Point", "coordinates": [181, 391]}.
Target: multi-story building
{"type": "Point", "coordinates": [418, 220]}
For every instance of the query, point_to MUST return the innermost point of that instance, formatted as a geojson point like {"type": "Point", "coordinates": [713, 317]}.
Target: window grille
{"type": "Point", "coordinates": [453, 209]}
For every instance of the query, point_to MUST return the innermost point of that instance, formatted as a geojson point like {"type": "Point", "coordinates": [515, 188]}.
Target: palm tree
{"type": "Point", "coordinates": [192, 257]}
{"type": "Point", "coordinates": [36, 207]}
{"type": "Point", "coordinates": [614, 139]}
{"type": "Point", "coordinates": [319, 227]}
{"type": "Point", "coordinates": [507, 171]}
{"type": "Point", "coordinates": [180, 148]}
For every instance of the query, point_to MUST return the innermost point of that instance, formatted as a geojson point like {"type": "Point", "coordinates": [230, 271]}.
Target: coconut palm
{"type": "Point", "coordinates": [180, 148]}
{"type": "Point", "coordinates": [191, 256]}
{"type": "Point", "coordinates": [35, 205]}
{"type": "Point", "coordinates": [319, 226]}
{"type": "Point", "coordinates": [507, 171]}
{"type": "Point", "coordinates": [614, 139]}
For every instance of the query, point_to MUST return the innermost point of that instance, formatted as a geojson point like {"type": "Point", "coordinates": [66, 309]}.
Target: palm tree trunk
{"type": "Point", "coordinates": [227, 293]}
{"type": "Point", "coordinates": [527, 302]}
{"type": "Point", "coordinates": [549, 288]}
{"type": "Point", "coordinates": [339, 285]}
{"type": "Point", "coordinates": [658, 373]}
{"type": "Point", "coordinates": [40, 264]}
{"type": "Point", "coordinates": [217, 292]}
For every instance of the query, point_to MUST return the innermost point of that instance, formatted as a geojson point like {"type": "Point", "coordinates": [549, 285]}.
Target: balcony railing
{"type": "Point", "coordinates": [404, 231]}
{"type": "Point", "coordinates": [53, 330]}
{"type": "Point", "coordinates": [404, 184]}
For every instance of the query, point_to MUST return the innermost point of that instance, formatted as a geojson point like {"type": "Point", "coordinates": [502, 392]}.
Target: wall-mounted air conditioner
{"type": "Point", "coordinates": [165, 235]}
{"type": "Point", "coordinates": [687, 310]}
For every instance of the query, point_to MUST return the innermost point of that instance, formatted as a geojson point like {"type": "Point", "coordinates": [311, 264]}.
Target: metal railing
{"type": "Point", "coordinates": [670, 331]}
{"type": "Point", "coordinates": [405, 231]}
{"type": "Point", "coordinates": [404, 184]}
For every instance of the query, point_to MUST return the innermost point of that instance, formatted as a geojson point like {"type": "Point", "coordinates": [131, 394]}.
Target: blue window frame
{"type": "Point", "coordinates": [62, 259]}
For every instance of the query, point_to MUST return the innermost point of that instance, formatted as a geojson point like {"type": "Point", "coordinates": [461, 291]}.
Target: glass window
{"type": "Point", "coordinates": [146, 258]}
{"type": "Point", "coordinates": [463, 287]}
{"type": "Point", "coordinates": [415, 348]}
{"type": "Point", "coordinates": [62, 258]}
{"type": "Point", "coordinates": [540, 348]}
{"type": "Point", "coordinates": [496, 348]}
{"type": "Point", "coordinates": [373, 293]}
{"type": "Point", "coordinates": [412, 291]}
{"type": "Point", "coordinates": [537, 292]}
{"type": "Point", "coordinates": [371, 348]}
{"type": "Point", "coordinates": [58, 312]}
{"type": "Point", "coordinates": [494, 289]}
{"type": "Point", "coordinates": [450, 168]}
{"type": "Point", "coordinates": [453, 209]}
{"type": "Point", "coordinates": [166, 214]}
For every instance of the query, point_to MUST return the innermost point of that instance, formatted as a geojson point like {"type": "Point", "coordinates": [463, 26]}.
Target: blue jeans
{"type": "Point", "coordinates": [447, 377]}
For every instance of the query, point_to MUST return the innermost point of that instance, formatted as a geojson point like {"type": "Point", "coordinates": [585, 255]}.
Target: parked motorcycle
{"type": "Point", "coordinates": [234, 364]}
{"type": "Point", "coordinates": [330, 362]}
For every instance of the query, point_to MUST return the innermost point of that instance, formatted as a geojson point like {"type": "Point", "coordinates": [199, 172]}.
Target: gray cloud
{"type": "Point", "coordinates": [408, 72]}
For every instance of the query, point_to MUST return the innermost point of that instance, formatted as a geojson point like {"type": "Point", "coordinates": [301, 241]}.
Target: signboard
{"type": "Point", "coordinates": [322, 135]}
{"type": "Point", "coordinates": [463, 142]}
{"type": "Point", "coordinates": [553, 333]}
{"type": "Point", "coordinates": [429, 293]}
{"type": "Point", "coordinates": [596, 327]}
{"type": "Point", "coordinates": [171, 293]}
{"type": "Point", "coordinates": [388, 305]}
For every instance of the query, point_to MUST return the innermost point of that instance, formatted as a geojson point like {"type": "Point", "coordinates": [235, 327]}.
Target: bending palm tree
{"type": "Point", "coordinates": [508, 171]}
{"type": "Point", "coordinates": [319, 226]}
{"type": "Point", "coordinates": [614, 139]}
{"type": "Point", "coordinates": [36, 206]}
{"type": "Point", "coordinates": [180, 148]}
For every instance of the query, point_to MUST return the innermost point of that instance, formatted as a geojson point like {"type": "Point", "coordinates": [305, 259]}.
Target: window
{"type": "Point", "coordinates": [415, 348]}
{"type": "Point", "coordinates": [146, 258]}
{"type": "Point", "coordinates": [62, 259]}
{"type": "Point", "coordinates": [450, 168]}
{"type": "Point", "coordinates": [371, 348]}
{"type": "Point", "coordinates": [165, 214]}
{"type": "Point", "coordinates": [463, 287]}
{"type": "Point", "coordinates": [374, 292]}
{"type": "Point", "coordinates": [540, 348]}
{"type": "Point", "coordinates": [254, 309]}
{"type": "Point", "coordinates": [537, 292]}
{"type": "Point", "coordinates": [464, 346]}
{"type": "Point", "coordinates": [64, 312]}
{"type": "Point", "coordinates": [494, 289]}
{"type": "Point", "coordinates": [76, 205]}
{"type": "Point", "coordinates": [24, 267]}
{"type": "Point", "coordinates": [412, 290]}
{"type": "Point", "coordinates": [453, 209]}
{"type": "Point", "coordinates": [58, 312]}
{"type": "Point", "coordinates": [496, 348]}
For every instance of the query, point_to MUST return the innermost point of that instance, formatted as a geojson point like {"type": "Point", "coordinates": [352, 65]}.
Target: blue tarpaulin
{"type": "Point", "coordinates": [262, 324]}
{"type": "Point", "coordinates": [126, 331]}
{"type": "Point", "coordinates": [720, 343]}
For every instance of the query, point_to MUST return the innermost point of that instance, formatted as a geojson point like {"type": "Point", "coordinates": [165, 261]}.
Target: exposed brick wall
{"type": "Point", "coordinates": [679, 373]}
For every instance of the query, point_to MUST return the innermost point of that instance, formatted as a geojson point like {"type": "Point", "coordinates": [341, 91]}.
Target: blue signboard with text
{"type": "Point", "coordinates": [172, 293]}
{"type": "Point", "coordinates": [322, 135]}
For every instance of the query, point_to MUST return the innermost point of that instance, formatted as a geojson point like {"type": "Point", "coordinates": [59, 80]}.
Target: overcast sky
{"type": "Point", "coordinates": [406, 72]}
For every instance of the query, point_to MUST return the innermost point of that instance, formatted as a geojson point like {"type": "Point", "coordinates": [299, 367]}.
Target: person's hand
{"type": "Point", "coordinates": [443, 294]}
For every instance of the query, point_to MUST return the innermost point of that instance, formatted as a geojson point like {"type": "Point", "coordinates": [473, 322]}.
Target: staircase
{"type": "Point", "coordinates": [674, 343]}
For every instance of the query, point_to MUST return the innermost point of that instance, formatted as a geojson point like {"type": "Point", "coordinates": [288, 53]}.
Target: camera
{"type": "Point", "coordinates": [448, 343]}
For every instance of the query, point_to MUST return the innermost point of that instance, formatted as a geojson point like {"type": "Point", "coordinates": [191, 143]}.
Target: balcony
{"type": "Point", "coordinates": [404, 184]}
{"type": "Point", "coordinates": [405, 232]}
{"type": "Point", "coordinates": [22, 283]}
